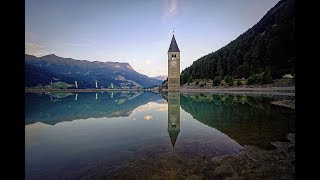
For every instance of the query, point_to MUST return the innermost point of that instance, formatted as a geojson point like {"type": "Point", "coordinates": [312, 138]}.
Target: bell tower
{"type": "Point", "coordinates": [173, 66]}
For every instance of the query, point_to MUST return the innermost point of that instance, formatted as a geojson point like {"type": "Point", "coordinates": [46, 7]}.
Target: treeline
{"type": "Point", "coordinates": [266, 48]}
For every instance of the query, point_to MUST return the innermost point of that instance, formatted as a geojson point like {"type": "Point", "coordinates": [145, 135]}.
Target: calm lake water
{"type": "Point", "coordinates": [89, 135]}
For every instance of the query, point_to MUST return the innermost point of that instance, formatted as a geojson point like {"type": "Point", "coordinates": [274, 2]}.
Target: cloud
{"type": "Point", "coordinates": [31, 35]}
{"type": "Point", "coordinates": [34, 49]}
{"type": "Point", "coordinates": [78, 44]}
{"type": "Point", "coordinates": [162, 71]}
{"type": "Point", "coordinates": [147, 62]}
{"type": "Point", "coordinates": [81, 43]}
{"type": "Point", "coordinates": [148, 117]}
{"type": "Point", "coordinates": [171, 9]}
{"type": "Point", "coordinates": [33, 46]}
{"type": "Point", "coordinates": [163, 109]}
{"type": "Point", "coordinates": [37, 49]}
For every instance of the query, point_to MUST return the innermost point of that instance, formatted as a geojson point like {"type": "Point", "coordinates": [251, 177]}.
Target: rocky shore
{"type": "Point", "coordinates": [250, 163]}
{"type": "Point", "coordinates": [285, 103]}
{"type": "Point", "coordinates": [289, 91]}
{"type": "Point", "coordinates": [256, 163]}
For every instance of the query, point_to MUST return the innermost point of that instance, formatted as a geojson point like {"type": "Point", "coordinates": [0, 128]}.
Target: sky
{"type": "Point", "coordinates": [137, 31]}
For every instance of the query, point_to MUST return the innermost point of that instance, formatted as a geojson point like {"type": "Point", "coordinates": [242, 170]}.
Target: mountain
{"type": "Point", "coordinates": [269, 43]}
{"type": "Point", "coordinates": [161, 78]}
{"type": "Point", "coordinates": [43, 70]}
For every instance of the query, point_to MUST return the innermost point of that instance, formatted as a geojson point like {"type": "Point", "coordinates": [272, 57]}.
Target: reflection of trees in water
{"type": "Point", "coordinates": [45, 108]}
{"type": "Point", "coordinates": [248, 120]}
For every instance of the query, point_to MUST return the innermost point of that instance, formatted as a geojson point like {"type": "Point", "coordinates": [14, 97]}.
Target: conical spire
{"type": "Point", "coordinates": [173, 136]}
{"type": "Point", "coordinates": [173, 45]}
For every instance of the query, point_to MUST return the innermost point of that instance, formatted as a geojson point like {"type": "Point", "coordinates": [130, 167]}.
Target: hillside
{"type": "Point", "coordinates": [51, 68]}
{"type": "Point", "coordinates": [269, 43]}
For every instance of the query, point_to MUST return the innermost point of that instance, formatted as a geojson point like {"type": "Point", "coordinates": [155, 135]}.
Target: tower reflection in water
{"type": "Point", "coordinates": [173, 116]}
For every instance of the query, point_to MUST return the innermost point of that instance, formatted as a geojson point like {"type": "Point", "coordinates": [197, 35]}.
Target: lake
{"type": "Point", "coordinates": [106, 134]}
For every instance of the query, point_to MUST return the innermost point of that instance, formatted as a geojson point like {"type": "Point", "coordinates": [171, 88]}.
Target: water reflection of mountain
{"type": "Point", "coordinates": [55, 108]}
{"type": "Point", "coordinates": [248, 120]}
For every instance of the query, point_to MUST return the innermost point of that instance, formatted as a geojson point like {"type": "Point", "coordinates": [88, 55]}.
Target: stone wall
{"type": "Point", "coordinates": [174, 72]}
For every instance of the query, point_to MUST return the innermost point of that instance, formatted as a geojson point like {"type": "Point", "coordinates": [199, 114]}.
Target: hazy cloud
{"type": "Point", "coordinates": [83, 43]}
{"type": "Point", "coordinates": [78, 45]}
{"type": "Point", "coordinates": [162, 71]}
{"type": "Point", "coordinates": [32, 46]}
{"type": "Point", "coordinates": [170, 10]}
{"type": "Point", "coordinates": [31, 35]}
{"type": "Point", "coordinates": [147, 62]}
{"type": "Point", "coordinates": [162, 109]}
{"type": "Point", "coordinates": [37, 49]}
{"type": "Point", "coordinates": [148, 117]}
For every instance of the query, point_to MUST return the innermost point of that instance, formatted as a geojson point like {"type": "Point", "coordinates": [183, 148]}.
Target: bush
{"type": "Point", "coordinates": [197, 82]}
{"type": "Point", "coordinates": [261, 78]}
{"type": "Point", "coordinates": [253, 79]}
{"type": "Point", "coordinates": [229, 80]}
{"type": "Point", "coordinates": [217, 81]}
{"type": "Point", "coordinates": [239, 83]}
{"type": "Point", "coordinates": [294, 78]}
{"type": "Point", "coordinates": [266, 76]}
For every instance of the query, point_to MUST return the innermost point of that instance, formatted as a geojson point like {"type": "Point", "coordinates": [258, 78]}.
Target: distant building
{"type": "Point", "coordinates": [173, 66]}
{"type": "Point", "coordinates": [289, 76]}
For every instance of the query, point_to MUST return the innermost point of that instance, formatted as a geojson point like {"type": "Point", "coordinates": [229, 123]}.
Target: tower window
{"type": "Point", "coordinates": [173, 57]}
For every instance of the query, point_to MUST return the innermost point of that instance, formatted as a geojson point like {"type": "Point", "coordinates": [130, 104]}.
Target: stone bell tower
{"type": "Point", "coordinates": [173, 66]}
{"type": "Point", "coordinates": [173, 116]}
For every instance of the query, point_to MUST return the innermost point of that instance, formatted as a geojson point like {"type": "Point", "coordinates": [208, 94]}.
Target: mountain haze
{"type": "Point", "coordinates": [162, 77]}
{"type": "Point", "coordinates": [43, 70]}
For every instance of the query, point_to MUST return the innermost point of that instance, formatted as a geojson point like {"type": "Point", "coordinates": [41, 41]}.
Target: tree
{"type": "Point", "coordinates": [266, 76]}
{"type": "Point", "coordinates": [217, 81]}
{"type": "Point", "coordinates": [229, 80]}
{"type": "Point", "coordinates": [271, 42]}
{"type": "Point", "coordinates": [252, 79]}
{"type": "Point", "coordinates": [243, 70]}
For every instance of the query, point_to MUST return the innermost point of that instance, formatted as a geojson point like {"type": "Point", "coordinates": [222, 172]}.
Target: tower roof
{"type": "Point", "coordinates": [173, 136]}
{"type": "Point", "coordinates": [173, 45]}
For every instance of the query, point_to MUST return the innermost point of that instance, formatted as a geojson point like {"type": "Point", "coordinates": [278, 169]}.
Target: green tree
{"type": "Point", "coordinates": [217, 81]}
{"type": "Point", "coordinates": [239, 83]}
{"type": "Point", "coordinates": [243, 70]}
{"type": "Point", "coordinates": [229, 80]}
{"type": "Point", "coordinates": [266, 76]}
{"type": "Point", "coordinates": [252, 79]}
{"type": "Point", "coordinates": [271, 42]}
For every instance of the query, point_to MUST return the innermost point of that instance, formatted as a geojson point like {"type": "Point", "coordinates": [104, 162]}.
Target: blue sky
{"type": "Point", "coordinates": [137, 31]}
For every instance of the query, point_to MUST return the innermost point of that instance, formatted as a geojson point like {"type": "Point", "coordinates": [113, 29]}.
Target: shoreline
{"type": "Point", "coordinates": [290, 90]}
{"type": "Point", "coordinates": [283, 96]}
{"type": "Point", "coordinates": [84, 90]}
